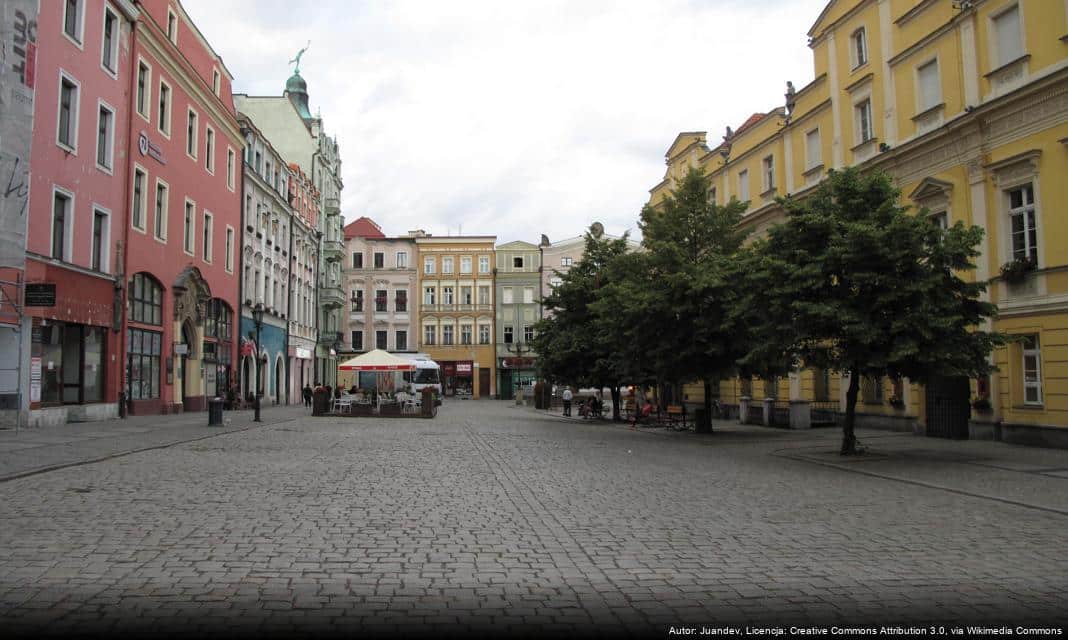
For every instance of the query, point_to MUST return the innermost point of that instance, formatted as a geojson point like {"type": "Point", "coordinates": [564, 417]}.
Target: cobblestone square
{"type": "Point", "coordinates": [495, 519]}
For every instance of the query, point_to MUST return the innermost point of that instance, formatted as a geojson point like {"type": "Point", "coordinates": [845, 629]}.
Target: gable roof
{"type": "Point", "coordinates": [363, 227]}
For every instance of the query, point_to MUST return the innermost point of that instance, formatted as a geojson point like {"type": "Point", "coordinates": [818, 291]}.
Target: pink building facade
{"type": "Point", "coordinates": [182, 233]}
{"type": "Point", "coordinates": [77, 206]}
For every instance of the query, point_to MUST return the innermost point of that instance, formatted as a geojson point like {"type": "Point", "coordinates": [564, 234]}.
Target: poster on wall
{"type": "Point", "coordinates": [18, 38]}
{"type": "Point", "coordinates": [35, 379]}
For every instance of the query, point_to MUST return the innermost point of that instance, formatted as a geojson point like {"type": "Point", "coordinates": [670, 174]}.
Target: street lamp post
{"type": "Point", "coordinates": [519, 349]}
{"type": "Point", "coordinates": [257, 318]}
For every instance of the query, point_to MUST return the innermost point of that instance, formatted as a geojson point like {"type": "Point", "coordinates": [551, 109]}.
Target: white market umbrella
{"type": "Point", "coordinates": [378, 361]}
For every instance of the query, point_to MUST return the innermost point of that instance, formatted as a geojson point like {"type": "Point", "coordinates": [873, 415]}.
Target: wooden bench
{"type": "Point", "coordinates": [676, 412]}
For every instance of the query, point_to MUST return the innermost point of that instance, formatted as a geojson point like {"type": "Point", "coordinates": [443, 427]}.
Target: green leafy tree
{"type": "Point", "coordinates": [672, 300]}
{"type": "Point", "coordinates": [853, 282]}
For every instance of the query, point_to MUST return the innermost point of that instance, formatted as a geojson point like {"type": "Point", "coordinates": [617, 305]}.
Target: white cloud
{"type": "Point", "coordinates": [514, 119]}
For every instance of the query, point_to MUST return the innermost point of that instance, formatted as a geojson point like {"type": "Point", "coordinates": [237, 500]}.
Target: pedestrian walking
{"type": "Point", "coordinates": [307, 395]}
{"type": "Point", "coordinates": [567, 401]}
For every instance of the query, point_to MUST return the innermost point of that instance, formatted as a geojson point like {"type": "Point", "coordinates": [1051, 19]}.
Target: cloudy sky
{"type": "Point", "coordinates": [514, 118]}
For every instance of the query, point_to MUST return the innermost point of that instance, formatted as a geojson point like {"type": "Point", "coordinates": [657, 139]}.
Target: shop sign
{"type": "Point", "coordinates": [303, 354]}
{"type": "Point", "coordinates": [149, 148]}
{"type": "Point", "coordinates": [181, 349]}
{"type": "Point", "coordinates": [518, 363]}
{"type": "Point", "coordinates": [35, 379]}
{"type": "Point", "coordinates": [40, 294]}
{"type": "Point", "coordinates": [463, 367]}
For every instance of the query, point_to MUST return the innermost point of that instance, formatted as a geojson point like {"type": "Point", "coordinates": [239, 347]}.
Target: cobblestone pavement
{"type": "Point", "coordinates": [494, 520]}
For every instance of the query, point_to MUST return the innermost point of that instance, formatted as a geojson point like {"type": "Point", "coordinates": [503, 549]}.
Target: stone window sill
{"type": "Point", "coordinates": [870, 142]}
{"type": "Point", "coordinates": [929, 112]}
{"type": "Point", "coordinates": [813, 170]}
{"type": "Point", "coordinates": [1008, 65]}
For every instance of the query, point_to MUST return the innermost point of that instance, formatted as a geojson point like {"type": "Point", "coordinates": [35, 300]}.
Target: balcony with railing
{"type": "Point", "coordinates": [456, 308]}
{"type": "Point", "coordinates": [333, 250]}
{"type": "Point", "coordinates": [331, 296]}
{"type": "Point", "coordinates": [332, 206]}
{"type": "Point", "coordinates": [329, 338]}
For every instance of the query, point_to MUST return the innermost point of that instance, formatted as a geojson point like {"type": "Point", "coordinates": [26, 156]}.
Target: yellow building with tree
{"type": "Point", "coordinates": [965, 104]}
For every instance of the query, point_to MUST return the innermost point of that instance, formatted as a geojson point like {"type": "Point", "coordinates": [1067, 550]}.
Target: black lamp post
{"type": "Point", "coordinates": [519, 349]}
{"type": "Point", "coordinates": [257, 318]}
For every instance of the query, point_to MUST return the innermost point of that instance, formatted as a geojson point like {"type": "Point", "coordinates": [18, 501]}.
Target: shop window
{"type": "Point", "coordinates": [143, 363]}
{"type": "Point", "coordinates": [72, 370]}
{"type": "Point", "coordinates": [1032, 370]}
{"type": "Point", "coordinates": [146, 299]}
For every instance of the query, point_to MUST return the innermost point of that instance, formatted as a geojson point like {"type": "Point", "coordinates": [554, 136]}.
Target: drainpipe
{"type": "Point", "coordinates": [289, 296]}
{"type": "Point", "coordinates": [120, 283]}
{"type": "Point", "coordinates": [241, 271]}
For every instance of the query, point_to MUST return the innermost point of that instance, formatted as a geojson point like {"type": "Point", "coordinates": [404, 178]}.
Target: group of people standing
{"type": "Point", "coordinates": [593, 406]}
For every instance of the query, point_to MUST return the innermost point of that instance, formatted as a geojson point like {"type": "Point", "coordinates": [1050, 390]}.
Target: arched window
{"type": "Point", "coordinates": [146, 299]}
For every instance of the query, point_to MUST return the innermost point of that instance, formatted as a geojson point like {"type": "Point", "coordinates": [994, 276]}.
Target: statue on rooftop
{"type": "Point", "coordinates": [296, 69]}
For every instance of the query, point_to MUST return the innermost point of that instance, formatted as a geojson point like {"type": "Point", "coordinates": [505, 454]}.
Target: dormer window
{"type": "Point", "coordinates": [859, 47]}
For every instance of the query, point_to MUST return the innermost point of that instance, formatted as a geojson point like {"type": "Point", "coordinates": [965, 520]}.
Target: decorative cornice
{"type": "Point", "coordinates": [914, 11]}
{"type": "Point", "coordinates": [923, 42]}
{"type": "Point", "coordinates": [859, 82]}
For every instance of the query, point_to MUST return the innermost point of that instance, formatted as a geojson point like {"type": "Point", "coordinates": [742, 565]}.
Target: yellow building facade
{"type": "Point", "coordinates": [456, 312]}
{"type": "Point", "coordinates": [965, 104]}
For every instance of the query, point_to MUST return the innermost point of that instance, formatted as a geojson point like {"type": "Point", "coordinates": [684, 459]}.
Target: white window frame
{"type": "Point", "coordinates": [78, 39]}
{"type": "Point", "coordinates": [430, 295]}
{"type": "Point", "coordinates": [105, 239]}
{"type": "Point", "coordinates": [115, 35]}
{"type": "Point", "coordinates": [75, 112]}
{"type": "Point", "coordinates": [165, 131]}
{"type": "Point", "coordinates": [207, 239]}
{"type": "Point", "coordinates": [402, 259]}
{"type": "Point", "coordinates": [485, 332]}
{"type": "Point", "coordinates": [811, 162]}
{"type": "Point", "coordinates": [1029, 212]}
{"type": "Point", "coordinates": [483, 264]}
{"type": "Point", "coordinates": [743, 185]}
{"type": "Point", "coordinates": [922, 103]}
{"type": "Point", "coordinates": [447, 264]}
{"type": "Point", "coordinates": [172, 26]}
{"type": "Point", "coordinates": [231, 236]}
{"type": "Point", "coordinates": [863, 134]}
{"type": "Point", "coordinates": [466, 264]}
{"type": "Point", "coordinates": [231, 167]}
{"type": "Point", "coordinates": [109, 143]}
{"type": "Point", "coordinates": [430, 334]}
{"type": "Point", "coordinates": [144, 198]}
{"type": "Point", "coordinates": [528, 295]}
{"type": "Point", "coordinates": [566, 261]}
{"type": "Point", "coordinates": [767, 171]}
{"type": "Point", "coordinates": [507, 297]}
{"type": "Point", "coordinates": [216, 81]}
{"type": "Point", "coordinates": [192, 134]}
{"type": "Point", "coordinates": [997, 60]}
{"type": "Point", "coordinates": [1036, 381]}
{"type": "Point", "coordinates": [163, 221]}
{"type": "Point", "coordinates": [858, 48]}
{"type": "Point", "coordinates": [448, 296]}
{"type": "Point", "coordinates": [189, 233]}
{"type": "Point", "coordinates": [428, 265]}
{"type": "Point", "coordinates": [147, 113]}
{"type": "Point", "coordinates": [68, 224]}
{"type": "Point", "coordinates": [209, 149]}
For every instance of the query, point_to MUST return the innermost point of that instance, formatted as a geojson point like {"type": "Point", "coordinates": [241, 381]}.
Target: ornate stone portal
{"type": "Point", "coordinates": [191, 295]}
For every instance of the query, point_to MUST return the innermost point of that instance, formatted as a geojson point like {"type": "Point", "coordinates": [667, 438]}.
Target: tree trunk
{"type": "Point", "coordinates": [708, 404]}
{"type": "Point", "coordinates": [849, 441]}
{"type": "Point", "coordinates": [615, 404]}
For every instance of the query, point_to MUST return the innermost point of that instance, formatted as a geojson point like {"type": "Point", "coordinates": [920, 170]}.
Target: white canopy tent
{"type": "Point", "coordinates": [379, 362]}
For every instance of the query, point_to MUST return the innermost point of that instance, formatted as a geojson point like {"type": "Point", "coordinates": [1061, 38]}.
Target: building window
{"type": "Point", "coordinates": [446, 264]}
{"type": "Point", "coordinates": [1007, 36]}
{"type": "Point", "coordinates": [446, 334]}
{"type": "Point", "coordinates": [517, 262]}
{"type": "Point", "coordinates": [465, 264]}
{"type": "Point", "coordinates": [137, 217]}
{"type": "Point", "coordinates": [428, 265]}
{"type": "Point", "coordinates": [381, 301]}
{"type": "Point", "coordinates": [508, 335]}
{"type": "Point", "coordinates": [357, 261]}
{"type": "Point", "coordinates": [712, 195]}
{"type": "Point", "coordinates": [142, 363]}
{"type": "Point", "coordinates": [67, 133]}
{"type": "Point", "coordinates": [209, 150]}
{"type": "Point", "coordinates": [566, 261]}
{"type": "Point", "coordinates": [429, 335]}
{"type": "Point", "coordinates": [146, 300]}
{"type": "Point", "coordinates": [555, 282]}
{"type": "Point", "coordinates": [528, 295]}
{"type": "Point", "coordinates": [1032, 370]}
{"type": "Point", "coordinates": [483, 264]}
{"type": "Point", "coordinates": [402, 259]}
{"type": "Point", "coordinates": [769, 173]}
{"type": "Point", "coordinates": [872, 390]}
{"type": "Point", "coordinates": [105, 138]}
{"type": "Point", "coordinates": [859, 48]}
{"type": "Point", "coordinates": [401, 338]}
{"type": "Point", "coordinates": [466, 296]}
{"type": "Point", "coordinates": [929, 89]}
{"type": "Point", "coordinates": [1022, 217]}
{"type": "Point", "coordinates": [940, 220]}
{"type": "Point", "coordinates": [446, 295]}
{"type": "Point", "coordinates": [813, 151]}
{"type": "Point", "coordinates": [506, 295]}
{"type": "Point", "coordinates": [483, 334]}
{"type": "Point", "coordinates": [98, 257]}
{"type": "Point", "coordinates": [172, 27]}
{"type": "Point", "coordinates": [484, 295]}
{"type": "Point", "coordinates": [862, 114]}
{"type": "Point", "coordinates": [72, 20]}
{"type": "Point", "coordinates": [380, 260]}
{"type": "Point", "coordinates": [164, 119]}
{"type": "Point", "coordinates": [357, 300]}
{"type": "Point", "coordinates": [207, 233]}
{"type": "Point", "coordinates": [229, 250]}
{"type": "Point", "coordinates": [231, 166]}
{"type": "Point", "coordinates": [144, 76]}
{"type": "Point", "coordinates": [528, 334]}
{"type": "Point", "coordinates": [61, 221]}
{"type": "Point", "coordinates": [465, 334]}
{"type": "Point", "coordinates": [188, 227]}
{"type": "Point", "coordinates": [357, 340]}
{"type": "Point", "coordinates": [110, 46]}
{"type": "Point", "coordinates": [215, 81]}
{"type": "Point", "coordinates": [160, 213]}
{"type": "Point", "coordinates": [428, 295]}
{"type": "Point", "coordinates": [743, 185]}
{"type": "Point", "coordinates": [191, 131]}
{"type": "Point", "coordinates": [401, 301]}
{"type": "Point", "coordinates": [380, 340]}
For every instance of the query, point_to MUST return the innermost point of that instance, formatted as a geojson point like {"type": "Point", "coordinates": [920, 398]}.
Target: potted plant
{"type": "Point", "coordinates": [1016, 271]}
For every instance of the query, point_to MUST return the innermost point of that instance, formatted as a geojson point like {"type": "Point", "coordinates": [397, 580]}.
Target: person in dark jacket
{"type": "Point", "coordinates": [307, 395]}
